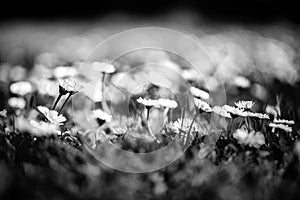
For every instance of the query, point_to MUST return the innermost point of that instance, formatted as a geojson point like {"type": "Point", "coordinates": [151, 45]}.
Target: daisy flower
{"type": "Point", "coordinates": [68, 86]}
{"type": "Point", "coordinates": [221, 111]}
{"type": "Point", "coordinates": [186, 123]}
{"type": "Point", "coordinates": [257, 115]}
{"type": "Point", "coordinates": [182, 127]}
{"type": "Point", "coordinates": [103, 67]}
{"type": "Point", "coordinates": [101, 116]}
{"type": "Point", "coordinates": [202, 105]}
{"type": "Point", "coordinates": [18, 103]}
{"type": "Point", "coordinates": [147, 102]}
{"type": "Point", "coordinates": [199, 93]}
{"type": "Point", "coordinates": [235, 111]}
{"type": "Point", "coordinates": [52, 115]}
{"type": "Point", "coordinates": [21, 88]}
{"type": "Point", "coordinates": [245, 105]}
{"type": "Point", "coordinates": [284, 127]}
{"type": "Point", "coordinates": [167, 103]}
{"type": "Point", "coordinates": [283, 121]}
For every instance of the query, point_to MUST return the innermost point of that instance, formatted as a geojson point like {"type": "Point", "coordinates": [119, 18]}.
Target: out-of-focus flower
{"type": "Point", "coordinates": [3, 113]}
{"type": "Point", "coordinates": [36, 128]}
{"type": "Point", "coordinates": [283, 121]}
{"type": "Point", "coordinates": [256, 139]}
{"type": "Point", "coordinates": [252, 138]}
{"type": "Point", "coordinates": [51, 115]}
{"type": "Point", "coordinates": [202, 105]}
{"type": "Point", "coordinates": [241, 135]}
{"type": "Point", "coordinates": [17, 73]}
{"type": "Point", "coordinates": [199, 93]}
{"type": "Point", "coordinates": [221, 111]}
{"type": "Point", "coordinates": [190, 75]}
{"type": "Point", "coordinates": [235, 111]}
{"type": "Point", "coordinates": [103, 67]}
{"type": "Point", "coordinates": [241, 81]}
{"type": "Point", "coordinates": [68, 86]}
{"type": "Point", "coordinates": [21, 88]}
{"type": "Point", "coordinates": [245, 105]}
{"type": "Point", "coordinates": [63, 71]}
{"type": "Point", "coordinates": [43, 128]}
{"type": "Point", "coordinates": [18, 103]}
{"type": "Point", "coordinates": [101, 116]}
{"type": "Point", "coordinates": [148, 102]}
{"type": "Point", "coordinates": [167, 103]}
{"type": "Point", "coordinates": [284, 127]}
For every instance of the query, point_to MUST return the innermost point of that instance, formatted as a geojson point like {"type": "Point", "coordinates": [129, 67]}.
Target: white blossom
{"type": "Point", "coordinates": [199, 93]}
{"type": "Point", "coordinates": [202, 105]}
{"type": "Point", "coordinates": [21, 88]}
{"type": "Point", "coordinates": [18, 103]}
{"type": "Point", "coordinates": [52, 115]}
{"type": "Point", "coordinates": [245, 105]}
{"type": "Point", "coordinates": [221, 111]}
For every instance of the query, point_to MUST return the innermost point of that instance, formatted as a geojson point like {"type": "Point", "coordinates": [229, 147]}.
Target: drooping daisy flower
{"type": "Point", "coordinates": [245, 105]}
{"type": "Point", "coordinates": [167, 103]}
{"type": "Point", "coordinates": [235, 111]}
{"type": "Point", "coordinates": [202, 105]}
{"type": "Point", "coordinates": [101, 116]}
{"type": "Point", "coordinates": [147, 102]}
{"type": "Point", "coordinates": [221, 111]}
{"type": "Point", "coordinates": [283, 121]}
{"type": "Point", "coordinates": [3, 113]}
{"type": "Point", "coordinates": [21, 88]}
{"type": "Point", "coordinates": [103, 67]}
{"type": "Point", "coordinates": [68, 86]}
{"type": "Point", "coordinates": [284, 127]}
{"type": "Point", "coordinates": [51, 115]}
{"type": "Point", "coordinates": [199, 93]}
{"type": "Point", "coordinates": [18, 103]}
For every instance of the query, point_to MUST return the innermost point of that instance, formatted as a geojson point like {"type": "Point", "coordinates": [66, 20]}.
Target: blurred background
{"type": "Point", "coordinates": [254, 44]}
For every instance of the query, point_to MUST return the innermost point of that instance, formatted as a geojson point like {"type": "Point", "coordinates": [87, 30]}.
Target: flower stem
{"type": "Point", "coordinates": [149, 129]}
{"type": "Point", "coordinates": [57, 99]}
{"type": "Point", "coordinates": [13, 123]}
{"type": "Point", "coordinates": [188, 134]}
{"type": "Point", "coordinates": [64, 103]}
{"type": "Point", "coordinates": [103, 102]}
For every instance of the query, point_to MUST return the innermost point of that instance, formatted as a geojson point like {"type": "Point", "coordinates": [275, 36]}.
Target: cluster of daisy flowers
{"type": "Point", "coordinates": [22, 106]}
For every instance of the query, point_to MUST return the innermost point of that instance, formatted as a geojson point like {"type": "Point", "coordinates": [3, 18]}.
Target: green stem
{"type": "Point", "coordinates": [103, 102]}
{"type": "Point", "coordinates": [188, 135]}
{"type": "Point", "coordinates": [64, 103]}
{"type": "Point", "coordinates": [149, 129]}
{"type": "Point", "coordinates": [57, 99]}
